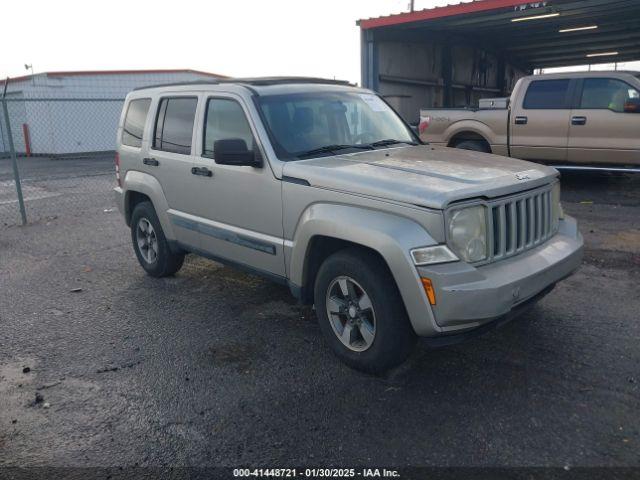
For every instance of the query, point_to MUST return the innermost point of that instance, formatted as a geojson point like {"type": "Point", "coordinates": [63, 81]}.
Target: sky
{"type": "Point", "coordinates": [230, 37]}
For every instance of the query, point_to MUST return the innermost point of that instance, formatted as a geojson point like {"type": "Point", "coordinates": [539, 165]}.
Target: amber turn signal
{"type": "Point", "coordinates": [429, 290]}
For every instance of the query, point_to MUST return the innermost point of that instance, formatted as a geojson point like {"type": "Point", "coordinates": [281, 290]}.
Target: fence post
{"type": "Point", "coordinates": [14, 160]}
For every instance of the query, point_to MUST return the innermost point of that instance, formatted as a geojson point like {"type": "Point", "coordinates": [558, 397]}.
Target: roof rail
{"type": "Point", "coordinates": [178, 84]}
{"type": "Point", "coordinates": [256, 81]}
{"type": "Point", "coordinates": [264, 81]}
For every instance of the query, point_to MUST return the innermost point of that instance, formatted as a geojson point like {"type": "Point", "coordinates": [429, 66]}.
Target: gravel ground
{"type": "Point", "coordinates": [216, 367]}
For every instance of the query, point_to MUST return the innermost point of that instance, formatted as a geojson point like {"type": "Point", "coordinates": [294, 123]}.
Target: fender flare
{"type": "Point", "coordinates": [136, 181]}
{"type": "Point", "coordinates": [392, 236]}
{"type": "Point", "coordinates": [474, 126]}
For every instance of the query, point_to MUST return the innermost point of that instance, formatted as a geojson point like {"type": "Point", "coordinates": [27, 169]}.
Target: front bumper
{"type": "Point", "coordinates": [468, 297]}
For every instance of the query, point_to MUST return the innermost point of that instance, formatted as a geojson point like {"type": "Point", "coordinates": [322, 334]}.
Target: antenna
{"type": "Point", "coordinates": [30, 67]}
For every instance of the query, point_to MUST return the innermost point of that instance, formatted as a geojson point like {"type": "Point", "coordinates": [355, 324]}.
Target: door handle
{"type": "Point", "coordinates": [151, 161]}
{"type": "Point", "coordinates": [578, 120]}
{"type": "Point", "coordinates": [202, 171]}
{"type": "Point", "coordinates": [521, 120]}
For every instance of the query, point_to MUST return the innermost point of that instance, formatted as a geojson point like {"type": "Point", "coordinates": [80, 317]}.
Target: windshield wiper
{"type": "Point", "coordinates": [390, 141]}
{"type": "Point", "coordinates": [331, 149]}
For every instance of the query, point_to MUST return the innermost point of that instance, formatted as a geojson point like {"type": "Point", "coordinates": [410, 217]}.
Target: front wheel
{"type": "Point", "coordinates": [361, 313]}
{"type": "Point", "coordinates": [150, 244]}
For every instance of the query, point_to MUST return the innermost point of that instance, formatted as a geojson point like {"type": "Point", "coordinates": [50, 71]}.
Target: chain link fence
{"type": "Point", "coordinates": [63, 149]}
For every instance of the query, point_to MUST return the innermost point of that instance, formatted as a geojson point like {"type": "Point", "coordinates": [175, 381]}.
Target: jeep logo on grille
{"type": "Point", "coordinates": [522, 176]}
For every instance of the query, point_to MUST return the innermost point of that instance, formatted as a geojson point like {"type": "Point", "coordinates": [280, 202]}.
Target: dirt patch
{"type": "Point", "coordinates": [624, 241]}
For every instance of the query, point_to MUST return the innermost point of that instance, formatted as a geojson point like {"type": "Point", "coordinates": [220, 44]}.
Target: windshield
{"type": "Point", "coordinates": [305, 125]}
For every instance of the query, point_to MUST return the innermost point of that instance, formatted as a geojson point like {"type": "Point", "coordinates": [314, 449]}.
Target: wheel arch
{"type": "Point", "coordinates": [140, 186]}
{"type": "Point", "coordinates": [327, 228]}
{"type": "Point", "coordinates": [321, 247]}
{"type": "Point", "coordinates": [470, 130]}
{"type": "Point", "coordinates": [468, 135]}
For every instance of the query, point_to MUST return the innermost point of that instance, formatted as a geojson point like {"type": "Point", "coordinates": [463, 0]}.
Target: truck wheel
{"type": "Point", "coordinates": [361, 313]}
{"type": "Point", "coordinates": [475, 145]}
{"type": "Point", "coordinates": [150, 244]}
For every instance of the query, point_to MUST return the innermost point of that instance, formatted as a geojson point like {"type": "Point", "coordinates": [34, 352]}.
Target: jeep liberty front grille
{"type": "Point", "coordinates": [520, 223]}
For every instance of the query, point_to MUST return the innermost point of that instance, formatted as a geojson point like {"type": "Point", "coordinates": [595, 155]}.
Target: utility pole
{"type": "Point", "coordinates": [411, 5]}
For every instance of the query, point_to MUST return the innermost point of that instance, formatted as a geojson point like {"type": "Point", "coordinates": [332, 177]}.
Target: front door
{"type": "Point", "coordinates": [601, 131]}
{"type": "Point", "coordinates": [238, 208]}
{"type": "Point", "coordinates": [540, 121]}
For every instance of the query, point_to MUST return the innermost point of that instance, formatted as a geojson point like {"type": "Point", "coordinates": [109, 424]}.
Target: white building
{"type": "Point", "coordinates": [60, 113]}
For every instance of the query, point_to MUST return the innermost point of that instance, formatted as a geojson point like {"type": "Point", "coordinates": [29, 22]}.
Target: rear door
{"type": "Point", "coordinates": [170, 156]}
{"type": "Point", "coordinates": [540, 121]}
{"type": "Point", "coordinates": [601, 131]}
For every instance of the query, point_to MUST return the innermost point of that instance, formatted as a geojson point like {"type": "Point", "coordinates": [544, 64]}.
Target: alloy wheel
{"type": "Point", "coordinates": [147, 240]}
{"type": "Point", "coordinates": [351, 313]}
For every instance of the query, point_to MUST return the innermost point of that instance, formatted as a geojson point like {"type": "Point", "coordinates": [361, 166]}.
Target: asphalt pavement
{"type": "Point", "coordinates": [101, 365]}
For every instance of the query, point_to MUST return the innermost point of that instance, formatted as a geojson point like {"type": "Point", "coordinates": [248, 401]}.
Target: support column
{"type": "Point", "coordinates": [447, 76]}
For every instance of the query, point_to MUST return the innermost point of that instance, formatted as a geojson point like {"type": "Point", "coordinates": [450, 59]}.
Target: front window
{"type": "Point", "coordinates": [306, 125]}
{"type": "Point", "coordinates": [224, 120]}
{"type": "Point", "coordinates": [607, 93]}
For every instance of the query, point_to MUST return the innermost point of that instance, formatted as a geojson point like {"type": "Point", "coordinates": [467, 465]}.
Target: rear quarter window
{"type": "Point", "coordinates": [546, 95]}
{"type": "Point", "coordinates": [134, 121]}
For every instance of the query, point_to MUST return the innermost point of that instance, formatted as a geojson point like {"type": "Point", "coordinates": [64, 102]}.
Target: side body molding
{"type": "Point", "coordinates": [141, 182]}
{"type": "Point", "coordinates": [392, 236]}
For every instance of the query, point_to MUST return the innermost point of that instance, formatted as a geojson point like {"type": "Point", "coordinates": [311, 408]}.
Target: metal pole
{"type": "Point", "coordinates": [14, 159]}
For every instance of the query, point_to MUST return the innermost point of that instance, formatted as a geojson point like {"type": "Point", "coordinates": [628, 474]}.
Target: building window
{"type": "Point", "coordinates": [174, 126]}
{"type": "Point", "coordinates": [134, 122]}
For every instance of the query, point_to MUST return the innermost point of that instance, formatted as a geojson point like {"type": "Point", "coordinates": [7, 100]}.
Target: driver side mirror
{"type": "Point", "coordinates": [632, 105]}
{"type": "Point", "coordinates": [234, 151]}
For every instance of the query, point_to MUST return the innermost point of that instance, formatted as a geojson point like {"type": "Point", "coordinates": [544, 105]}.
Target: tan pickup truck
{"type": "Point", "coordinates": [588, 119]}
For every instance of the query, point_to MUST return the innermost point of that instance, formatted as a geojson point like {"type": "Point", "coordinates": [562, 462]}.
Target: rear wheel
{"type": "Point", "coordinates": [150, 244]}
{"type": "Point", "coordinates": [361, 313]}
{"type": "Point", "coordinates": [475, 145]}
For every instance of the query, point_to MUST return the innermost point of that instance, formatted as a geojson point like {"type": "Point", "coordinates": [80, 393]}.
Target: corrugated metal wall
{"type": "Point", "coordinates": [412, 75]}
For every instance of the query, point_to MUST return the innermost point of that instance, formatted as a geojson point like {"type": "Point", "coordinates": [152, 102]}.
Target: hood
{"type": "Point", "coordinates": [423, 175]}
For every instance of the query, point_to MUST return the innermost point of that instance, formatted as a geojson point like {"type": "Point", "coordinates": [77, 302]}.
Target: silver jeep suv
{"type": "Point", "coordinates": [321, 186]}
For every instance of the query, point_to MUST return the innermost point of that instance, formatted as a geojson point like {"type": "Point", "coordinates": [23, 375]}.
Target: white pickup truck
{"type": "Point", "coordinates": [589, 119]}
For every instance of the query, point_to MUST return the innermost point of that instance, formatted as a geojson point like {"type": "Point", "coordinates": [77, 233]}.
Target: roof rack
{"type": "Point", "coordinates": [178, 84]}
{"type": "Point", "coordinates": [256, 81]}
{"type": "Point", "coordinates": [264, 81]}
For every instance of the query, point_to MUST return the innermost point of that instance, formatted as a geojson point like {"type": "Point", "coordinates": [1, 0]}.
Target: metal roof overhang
{"type": "Point", "coordinates": [534, 43]}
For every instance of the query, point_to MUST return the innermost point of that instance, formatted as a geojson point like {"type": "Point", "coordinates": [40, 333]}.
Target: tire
{"type": "Point", "coordinates": [475, 145]}
{"type": "Point", "coordinates": [157, 258]}
{"type": "Point", "coordinates": [372, 350]}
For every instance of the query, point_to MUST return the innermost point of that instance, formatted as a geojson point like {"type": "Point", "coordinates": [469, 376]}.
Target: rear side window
{"type": "Point", "coordinates": [225, 119]}
{"type": "Point", "coordinates": [606, 93]}
{"type": "Point", "coordinates": [547, 94]}
{"type": "Point", "coordinates": [174, 125]}
{"type": "Point", "coordinates": [134, 122]}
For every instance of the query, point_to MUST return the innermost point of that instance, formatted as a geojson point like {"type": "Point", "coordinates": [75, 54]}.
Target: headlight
{"type": "Point", "coordinates": [468, 233]}
{"type": "Point", "coordinates": [556, 207]}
